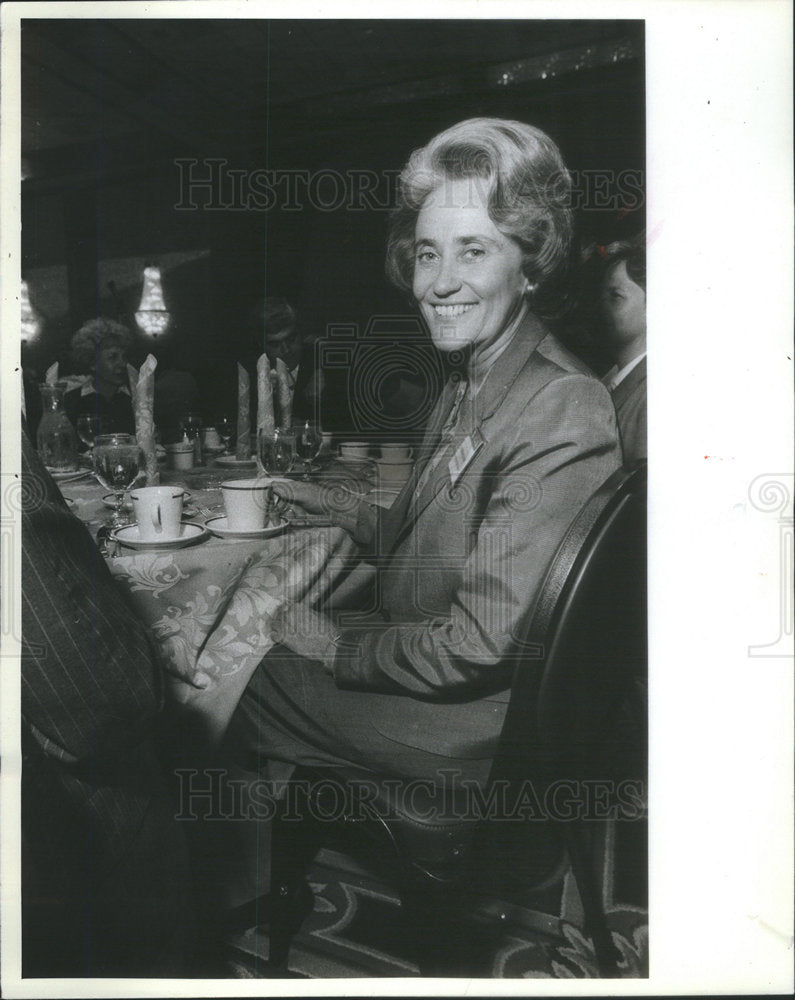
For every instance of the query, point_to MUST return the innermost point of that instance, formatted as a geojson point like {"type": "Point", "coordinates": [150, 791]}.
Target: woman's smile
{"type": "Point", "coordinates": [468, 277]}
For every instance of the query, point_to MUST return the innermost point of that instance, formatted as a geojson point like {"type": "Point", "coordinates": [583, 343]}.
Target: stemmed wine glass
{"type": "Point", "coordinates": [274, 452]}
{"type": "Point", "coordinates": [88, 427]}
{"type": "Point", "coordinates": [307, 445]}
{"type": "Point", "coordinates": [118, 462]}
{"type": "Point", "coordinates": [225, 429]}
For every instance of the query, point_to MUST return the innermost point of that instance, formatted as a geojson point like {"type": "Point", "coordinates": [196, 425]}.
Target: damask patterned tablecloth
{"type": "Point", "coordinates": [210, 606]}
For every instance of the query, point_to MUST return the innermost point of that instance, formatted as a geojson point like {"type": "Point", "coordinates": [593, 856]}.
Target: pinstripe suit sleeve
{"type": "Point", "coordinates": [91, 681]}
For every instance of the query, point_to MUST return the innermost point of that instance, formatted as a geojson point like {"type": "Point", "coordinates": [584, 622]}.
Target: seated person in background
{"type": "Point", "coordinates": [317, 396]}
{"type": "Point", "coordinates": [104, 863]}
{"type": "Point", "coordinates": [275, 332]}
{"type": "Point", "coordinates": [176, 394]}
{"type": "Point", "coordinates": [99, 350]}
{"type": "Point", "coordinates": [623, 303]}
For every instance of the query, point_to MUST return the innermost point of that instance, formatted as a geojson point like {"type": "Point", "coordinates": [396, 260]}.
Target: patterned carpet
{"type": "Point", "coordinates": [355, 929]}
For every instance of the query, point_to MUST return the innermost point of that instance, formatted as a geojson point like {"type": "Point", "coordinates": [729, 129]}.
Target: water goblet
{"type": "Point", "coordinates": [89, 427]}
{"type": "Point", "coordinates": [308, 443]}
{"type": "Point", "coordinates": [226, 428]}
{"type": "Point", "coordinates": [118, 462]}
{"type": "Point", "coordinates": [274, 452]}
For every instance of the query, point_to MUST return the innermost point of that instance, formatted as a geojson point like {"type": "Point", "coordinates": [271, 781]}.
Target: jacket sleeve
{"type": "Point", "coordinates": [561, 448]}
{"type": "Point", "coordinates": [91, 680]}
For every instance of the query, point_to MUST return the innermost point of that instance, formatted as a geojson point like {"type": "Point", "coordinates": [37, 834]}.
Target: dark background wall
{"type": "Point", "coordinates": [99, 206]}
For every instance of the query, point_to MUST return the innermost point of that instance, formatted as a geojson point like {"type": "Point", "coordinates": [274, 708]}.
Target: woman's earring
{"type": "Point", "coordinates": [529, 289]}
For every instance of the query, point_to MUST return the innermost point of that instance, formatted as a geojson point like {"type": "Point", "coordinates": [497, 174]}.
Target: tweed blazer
{"type": "Point", "coordinates": [105, 871]}
{"type": "Point", "coordinates": [466, 547]}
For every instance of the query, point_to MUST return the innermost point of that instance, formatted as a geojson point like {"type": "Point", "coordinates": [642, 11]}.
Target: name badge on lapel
{"type": "Point", "coordinates": [465, 452]}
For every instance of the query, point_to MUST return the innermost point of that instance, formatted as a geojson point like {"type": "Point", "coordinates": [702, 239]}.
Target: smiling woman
{"type": "Point", "coordinates": [505, 172]}
{"type": "Point", "coordinates": [520, 438]}
{"type": "Point", "coordinates": [469, 287]}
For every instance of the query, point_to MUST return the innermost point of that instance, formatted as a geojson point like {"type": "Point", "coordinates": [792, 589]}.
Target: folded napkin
{"type": "Point", "coordinates": [243, 449]}
{"type": "Point", "coordinates": [51, 375]}
{"type": "Point", "coordinates": [265, 417]}
{"type": "Point", "coordinates": [284, 389]}
{"type": "Point", "coordinates": [143, 407]}
{"type": "Point", "coordinates": [132, 378]}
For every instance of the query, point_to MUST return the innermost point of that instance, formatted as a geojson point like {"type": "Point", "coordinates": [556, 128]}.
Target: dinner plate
{"type": "Point", "coordinates": [66, 477]}
{"type": "Point", "coordinates": [218, 526]}
{"type": "Point", "coordinates": [232, 462]}
{"type": "Point", "coordinates": [190, 534]}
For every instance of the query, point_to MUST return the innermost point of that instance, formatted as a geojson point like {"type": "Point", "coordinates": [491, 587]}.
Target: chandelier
{"type": "Point", "coordinates": [31, 321]}
{"type": "Point", "coordinates": [152, 316]}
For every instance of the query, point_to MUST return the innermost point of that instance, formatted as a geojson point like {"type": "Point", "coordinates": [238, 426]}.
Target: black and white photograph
{"type": "Point", "coordinates": [340, 593]}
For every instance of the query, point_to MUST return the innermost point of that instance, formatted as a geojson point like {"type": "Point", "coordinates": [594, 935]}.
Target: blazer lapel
{"type": "Point", "coordinates": [625, 388]}
{"type": "Point", "coordinates": [496, 386]}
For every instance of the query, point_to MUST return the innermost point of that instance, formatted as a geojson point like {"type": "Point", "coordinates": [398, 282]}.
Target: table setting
{"type": "Point", "coordinates": [207, 555]}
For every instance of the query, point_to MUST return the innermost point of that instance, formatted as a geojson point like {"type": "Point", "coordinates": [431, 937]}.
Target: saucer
{"type": "Point", "coordinates": [394, 461]}
{"type": "Point", "coordinates": [189, 534]}
{"type": "Point", "coordinates": [217, 525]}
{"type": "Point", "coordinates": [232, 462]}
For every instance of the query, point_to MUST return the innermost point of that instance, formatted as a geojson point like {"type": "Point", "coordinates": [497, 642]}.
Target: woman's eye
{"type": "Point", "coordinates": [474, 253]}
{"type": "Point", "coordinates": [426, 256]}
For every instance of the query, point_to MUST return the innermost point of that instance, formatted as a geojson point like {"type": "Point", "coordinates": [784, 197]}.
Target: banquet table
{"type": "Point", "coordinates": [210, 606]}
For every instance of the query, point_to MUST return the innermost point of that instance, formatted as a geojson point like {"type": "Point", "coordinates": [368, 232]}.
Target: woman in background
{"type": "Point", "coordinates": [99, 351]}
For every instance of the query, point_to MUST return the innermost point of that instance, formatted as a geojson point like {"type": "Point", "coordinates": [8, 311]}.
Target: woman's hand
{"type": "Point", "coordinates": [333, 501]}
{"type": "Point", "coordinates": [309, 496]}
{"type": "Point", "coordinates": [306, 632]}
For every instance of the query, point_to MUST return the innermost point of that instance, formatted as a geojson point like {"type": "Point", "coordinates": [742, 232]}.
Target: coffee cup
{"type": "Point", "coordinates": [326, 438]}
{"type": "Point", "coordinates": [180, 455]}
{"type": "Point", "coordinates": [158, 511]}
{"type": "Point", "coordinates": [246, 502]}
{"type": "Point", "coordinates": [396, 452]}
{"type": "Point", "coordinates": [357, 450]}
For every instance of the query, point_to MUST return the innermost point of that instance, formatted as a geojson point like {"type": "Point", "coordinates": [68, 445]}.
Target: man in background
{"type": "Point", "coordinates": [623, 303]}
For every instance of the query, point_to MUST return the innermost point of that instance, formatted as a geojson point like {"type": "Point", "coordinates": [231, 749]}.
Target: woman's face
{"type": "Point", "coordinates": [468, 276]}
{"type": "Point", "coordinates": [111, 365]}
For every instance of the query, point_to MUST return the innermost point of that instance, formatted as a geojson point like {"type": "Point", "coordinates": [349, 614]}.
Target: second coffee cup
{"type": "Point", "coordinates": [246, 503]}
{"type": "Point", "coordinates": [395, 452]}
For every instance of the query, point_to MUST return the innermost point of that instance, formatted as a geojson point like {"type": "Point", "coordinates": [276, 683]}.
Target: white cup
{"type": "Point", "coordinates": [180, 455]}
{"type": "Point", "coordinates": [158, 511]}
{"type": "Point", "coordinates": [396, 452]}
{"type": "Point", "coordinates": [246, 502]}
{"type": "Point", "coordinates": [354, 449]}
